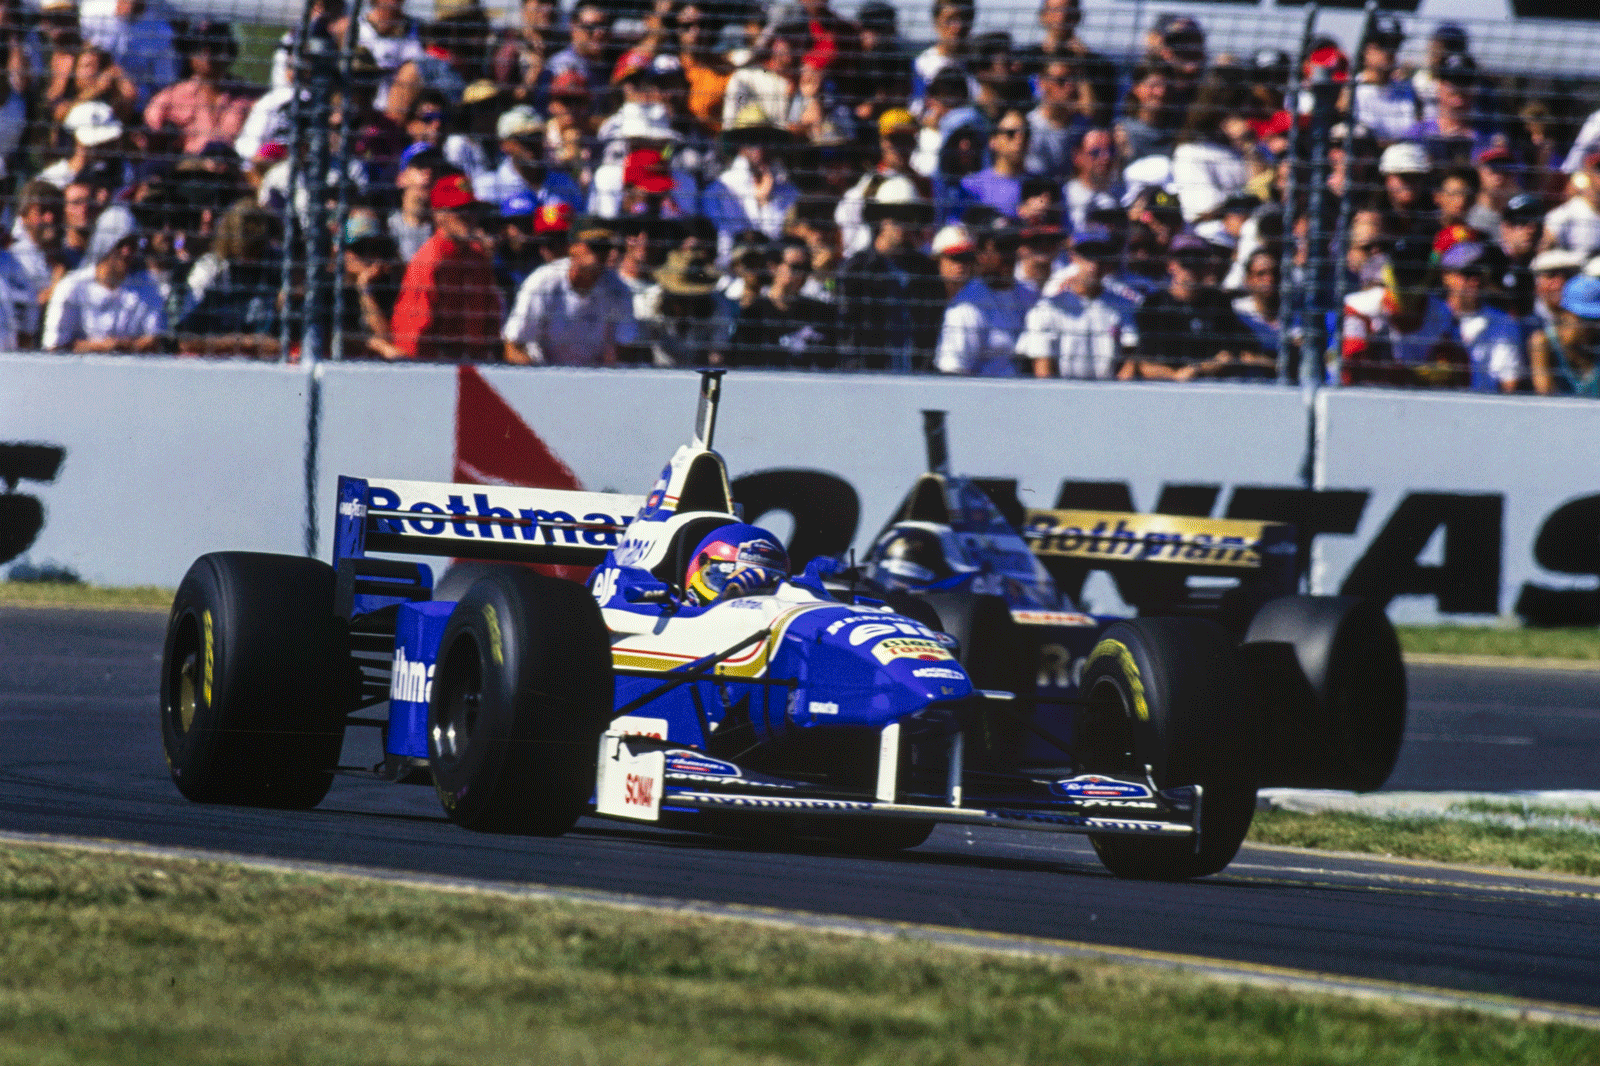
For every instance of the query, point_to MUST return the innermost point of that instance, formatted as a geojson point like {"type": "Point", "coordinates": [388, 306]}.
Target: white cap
{"type": "Point", "coordinates": [898, 190]}
{"type": "Point", "coordinates": [518, 121]}
{"type": "Point", "coordinates": [952, 240]}
{"type": "Point", "coordinates": [1151, 171]}
{"type": "Point", "coordinates": [93, 122]}
{"type": "Point", "coordinates": [1557, 259]}
{"type": "Point", "coordinates": [645, 124]}
{"type": "Point", "coordinates": [1592, 267]}
{"type": "Point", "coordinates": [1405, 157]}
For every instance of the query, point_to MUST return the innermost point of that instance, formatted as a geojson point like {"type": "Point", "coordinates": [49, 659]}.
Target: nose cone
{"type": "Point", "coordinates": [928, 673]}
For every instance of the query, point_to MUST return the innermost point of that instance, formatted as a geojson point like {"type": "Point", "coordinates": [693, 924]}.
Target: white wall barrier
{"type": "Point", "coordinates": [1439, 498]}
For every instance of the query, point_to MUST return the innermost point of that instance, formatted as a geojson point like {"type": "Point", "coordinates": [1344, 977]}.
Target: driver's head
{"type": "Point", "coordinates": [735, 560]}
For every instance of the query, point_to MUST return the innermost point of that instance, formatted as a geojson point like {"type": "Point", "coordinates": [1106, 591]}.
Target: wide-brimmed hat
{"type": "Point", "coordinates": [92, 122]}
{"type": "Point", "coordinates": [683, 274]}
{"type": "Point", "coordinates": [1405, 157]}
{"type": "Point", "coordinates": [1557, 259]}
{"type": "Point", "coordinates": [897, 197]}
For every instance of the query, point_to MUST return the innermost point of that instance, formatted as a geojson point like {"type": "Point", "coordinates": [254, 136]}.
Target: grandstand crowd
{"type": "Point", "coordinates": [724, 182]}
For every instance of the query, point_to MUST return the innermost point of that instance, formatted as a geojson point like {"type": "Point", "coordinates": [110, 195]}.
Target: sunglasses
{"type": "Point", "coordinates": [1015, 132]}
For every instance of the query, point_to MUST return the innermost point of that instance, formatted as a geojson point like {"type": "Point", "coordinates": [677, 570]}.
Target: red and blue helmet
{"type": "Point", "coordinates": [735, 560]}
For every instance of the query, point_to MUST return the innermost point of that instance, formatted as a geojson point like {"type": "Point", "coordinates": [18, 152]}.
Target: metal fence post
{"type": "Point", "coordinates": [347, 52]}
{"type": "Point", "coordinates": [1291, 189]}
{"type": "Point", "coordinates": [1336, 249]}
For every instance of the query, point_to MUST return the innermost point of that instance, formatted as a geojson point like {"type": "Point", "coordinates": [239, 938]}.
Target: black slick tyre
{"type": "Point", "coordinates": [1165, 693]}
{"type": "Point", "coordinates": [1331, 686]}
{"type": "Point", "coordinates": [522, 691]}
{"type": "Point", "coordinates": [254, 677]}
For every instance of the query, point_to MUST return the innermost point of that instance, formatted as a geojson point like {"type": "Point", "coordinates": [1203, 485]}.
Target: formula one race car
{"type": "Point", "coordinates": [693, 681]}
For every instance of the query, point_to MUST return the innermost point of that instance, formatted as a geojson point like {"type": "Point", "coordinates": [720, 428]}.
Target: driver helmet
{"type": "Point", "coordinates": [735, 560]}
{"type": "Point", "coordinates": [909, 557]}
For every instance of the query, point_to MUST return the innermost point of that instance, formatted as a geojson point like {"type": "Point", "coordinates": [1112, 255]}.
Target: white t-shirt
{"type": "Point", "coordinates": [980, 331]}
{"type": "Point", "coordinates": [83, 309]}
{"type": "Point", "coordinates": [561, 327]}
{"type": "Point", "coordinates": [1388, 110]}
{"type": "Point", "coordinates": [1083, 336]}
{"type": "Point", "coordinates": [1205, 175]}
{"type": "Point", "coordinates": [1495, 344]}
{"type": "Point", "coordinates": [1574, 225]}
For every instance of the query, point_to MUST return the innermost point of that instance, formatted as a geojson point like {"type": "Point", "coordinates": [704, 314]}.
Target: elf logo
{"type": "Point", "coordinates": [410, 682]}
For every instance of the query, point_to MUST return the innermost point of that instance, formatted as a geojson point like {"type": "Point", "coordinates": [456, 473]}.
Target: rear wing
{"type": "Point", "coordinates": [505, 523]}
{"type": "Point", "coordinates": [1223, 545]}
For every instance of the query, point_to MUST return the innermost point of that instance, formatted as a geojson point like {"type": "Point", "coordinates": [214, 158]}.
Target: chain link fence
{"type": "Point", "coordinates": [1293, 195]}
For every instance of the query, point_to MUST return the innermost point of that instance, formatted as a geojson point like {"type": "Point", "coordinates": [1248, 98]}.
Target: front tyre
{"type": "Point", "coordinates": [252, 678]}
{"type": "Point", "coordinates": [521, 694]}
{"type": "Point", "coordinates": [1165, 693]}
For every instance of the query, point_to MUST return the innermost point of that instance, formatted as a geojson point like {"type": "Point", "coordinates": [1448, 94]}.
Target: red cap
{"type": "Point", "coordinates": [647, 170]}
{"type": "Point", "coordinates": [451, 193]}
{"type": "Point", "coordinates": [569, 83]}
{"type": "Point", "coordinates": [272, 152]}
{"type": "Point", "coordinates": [554, 217]}
{"type": "Point", "coordinates": [1337, 62]}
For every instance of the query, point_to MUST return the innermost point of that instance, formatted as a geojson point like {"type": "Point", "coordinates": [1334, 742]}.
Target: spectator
{"type": "Point", "coordinates": [110, 306]}
{"type": "Point", "coordinates": [1189, 329]}
{"type": "Point", "coordinates": [1520, 224]}
{"type": "Point", "coordinates": [552, 228]}
{"type": "Point", "coordinates": [1096, 75]}
{"type": "Point", "coordinates": [206, 106]}
{"type": "Point", "coordinates": [1395, 331]}
{"type": "Point", "coordinates": [1448, 40]}
{"type": "Point", "coordinates": [1000, 87]}
{"type": "Point", "coordinates": [1078, 332]}
{"type": "Point", "coordinates": [1451, 135]}
{"type": "Point", "coordinates": [957, 257]}
{"type": "Point", "coordinates": [1036, 260]}
{"type": "Point", "coordinates": [96, 136]}
{"type": "Point", "coordinates": [1366, 240]}
{"type": "Point", "coordinates": [945, 109]}
{"type": "Point", "coordinates": [1458, 191]}
{"type": "Point", "coordinates": [754, 192]}
{"type": "Point", "coordinates": [82, 203]}
{"type": "Point", "coordinates": [783, 328]}
{"type": "Point", "coordinates": [952, 25]}
{"type": "Point", "coordinates": [769, 83]}
{"type": "Point", "coordinates": [707, 72]}
{"type": "Point", "coordinates": [1407, 189]}
{"type": "Point", "coordinates": [1094, 181]}
{"type": "Point", "coordinates": [238, 314]}
{"type": "Point", "coordinates": [1563, 353]}
{"type": "Point", "coordinates": [571, 124]}
{"type": "Point", "coordinates": [1385, 103]}
{"type": "Point", "coordinates": [449, 306]}
{"type": "Point", "coordinates": [812, 221]}
{"type": "Point", "coordinates": [372, 268]}
{"type": "Point", "coordinates": [999, 185]}
{"type": "Point", "coordinates": [897, 138]}
{"type": "Point", "coordinates": [1491, 338]}
{"type": "Point", "coordinates": [411, 224]}
{"type": "Point", "coordinates": [1258, 308]}
{"type": "Point", "coordinates": [1551, 271]}
{"type": "Point", "coordinates": [522, 166]}
{"type": "Point", "coordinates": [517, 252]}
{"type": "Point", "coordinates": [40, 255]}
{"type": "Point", "coordinates": [684, 327]}
{"type": "Point", "coordinates": [1181, 46]}
{"type": "Point", "coordinates": [393, 40]}
{"type": "Point", "coordinates": [890, 299]}
{"type": "Point", "coordinates": [1059, 124]}
{"type": "Point", "coordinates": [140, 44]}
{"type": "Point", "coordinates": [1207, 166]}
{"type": "Point", "coordinates": [574, 311]}
{"type": "Point", "coordinates": [93, 76]}
{"type": "Point", "coordinates": [1147, 126]}
{"type": "Point", "coordinates": [985, 319]}
{"type": "Point", "coordinates": [1497, 186]}
{"type": "Point", "coordinates": [882, 78]}
{"type": "Point", "coordinates": [519, 67]}
{"type": "Point", "coordinates": [1575, 225]}
{"type": "Point", "coordinates": [586, 55]}
{"type": "Point", "coordinates": [63, 41]}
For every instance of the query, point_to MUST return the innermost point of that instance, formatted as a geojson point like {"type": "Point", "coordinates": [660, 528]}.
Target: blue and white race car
{"type": "Point", "coordinates": [692, 681]}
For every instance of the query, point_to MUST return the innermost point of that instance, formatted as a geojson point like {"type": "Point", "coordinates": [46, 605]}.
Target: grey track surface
{"type": "Point", "coordinates": [82, 757]}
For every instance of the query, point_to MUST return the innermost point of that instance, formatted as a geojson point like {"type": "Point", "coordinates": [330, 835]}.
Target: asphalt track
{"type": "Point", "coordinates": [82, 758]}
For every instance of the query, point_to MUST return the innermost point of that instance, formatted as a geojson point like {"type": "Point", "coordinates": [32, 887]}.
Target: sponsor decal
{"type": "Point", "coordinates": [605, 585]}
{"type": "Point", "coordinates": [1115, 649]}
{"type": "Point", "coordinates": [409, 681]}
{"type": "Point", "coordinates": [629, 784]}
{"type": "Point", "coordinates": [634, 726]}
{"type": "Point", "coordinates": [819, 707]}
{"type": "Point", "coordinates": [684, 762]}
{"type": "Point", "coordinates": [877, 628]}
{"type": "Point", "coordinates": [886, 651]}
{"type": "Point", "coordinates": [1147, 538]}
{"type": "Point", "coordinates": [943, 673]}
{"type": "Point", "coordinates": [639, 791]}
{"type": "Point", "coordinates": [496, 647]}
{"type": "Point", "coordinates": [1031, 617]}
{"type": "Point", "coordinates": [850, 620]}
{"type": "Point", "coordinates": [1095, 787]}
{"type": "Point", "coordinates": [211, 658]}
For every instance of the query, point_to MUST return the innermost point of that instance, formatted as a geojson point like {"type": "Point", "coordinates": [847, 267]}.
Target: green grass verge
{"type": "Point", "coordinates": [134, 960]}
{"type": "Point", "coordinates": [65, 594]}
{"type": "Point", "coordinates": [1581, 644]}
{"type": "Point", "coordinates": [1438, 839]}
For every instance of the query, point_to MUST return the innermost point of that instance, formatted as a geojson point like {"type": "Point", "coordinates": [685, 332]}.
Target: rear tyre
{"type": "Point", "coordinates": [1331, 687]}
{"type": "Point", "coordinates": [1165, 693]}
{"type": "Point", "coordinates": [521, 694]}
{"type": "Point", "coordinates": [254, 677]}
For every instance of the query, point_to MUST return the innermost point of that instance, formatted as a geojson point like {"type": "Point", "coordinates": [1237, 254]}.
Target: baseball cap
{"type": "Point", "coordinates": [93, 122]}
{"type": "Point", "coordinates": [1556, 259]}
{"type": "Point", "coordinates": [519, 121]}
{"type": "Point", "coordinates": [1462, 256]}
{"type": "Point", "coordinates": [1188, 246]}
{"type": "Point", "coordinates": [555, 217]}
{"type": "Point", "coordinates": [646, 169]}
{"type": "Point", "coordinates": [877, 15]}
{"type": "Point", "coordinates": [569, 84]}
{"type": "Point", "coordinates": [451, 193]}
{"type": "Point", "coordinates": [360, 227]}
{"type": "Point", "coordinates": [1327, 54]}
{"type": "Point", "coordinates": [518, 205]}
{"type": "Point", "coordinates": [1581, 296]}
{"type": "Point", "coordinates": [1405, 157]}
{"type": "Point", "coordinates": [1163, 202]}
{"type": "Point", "coordinates": [272, 152]}
{"type": "Point", "coordinates": [895, 119]}
{"type": "Point", "coordinates": [1387, 32]}
{"type": "Point", "coordinates": [1410, 257]}
{"type": "Point", "coordinates": [1523, 207]}
{"type": "Point", "coordinates": [1452, 36]}
{"type": "Point", "coordinates": [1181, 29]}
{"type": "Point", "coordinates": [1459, 69]}
{"type": "Point", "coordinates": [1094, 242]}
{"type": "Point", "coordinates": [954, 239]}
{"type": "Point", "coordinates": [1494, 153]}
